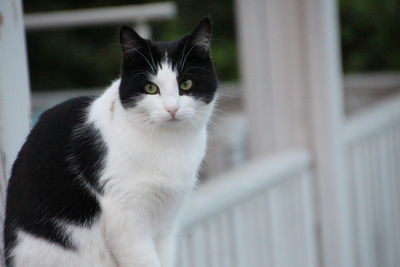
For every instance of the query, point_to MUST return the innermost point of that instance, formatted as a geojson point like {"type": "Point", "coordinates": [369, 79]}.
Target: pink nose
{"type": "Point", "coordinates": [172, 111]}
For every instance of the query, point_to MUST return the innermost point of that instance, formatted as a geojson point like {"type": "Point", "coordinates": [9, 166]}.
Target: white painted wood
{"type": "Point", "coordinates": [372, 120]}
{"type": "Point", "coordinates": [372, 81]}
{"type": "Point", "coordinates": [310, 222]}
{"type": "Point", "coordinates": [271, 55]}
{"type": "Point", "coordinates": [100, 16]}
{"type": "Point", "coordinates": [144, 30]}
{"type": "Point", "coordinates": [253, 216]}
{"type": "Point", "coordinates": [2, 207]}
{"type": "Point", "coordinates": [325, 84]}
{"type": "Point", "coordinates": [241, 183]}
{"type": "Point", "coordinates": [14, 94]}
{"type": "Point", "coordinates": [14, 86]}
{"type": "Point", "coordinates": [394, 199]}
{"type": "Point", "coordinates": [374, 175]}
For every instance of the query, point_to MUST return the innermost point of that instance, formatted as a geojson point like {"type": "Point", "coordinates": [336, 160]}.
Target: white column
{"type": "Point", "coordinates": [14, 83]}
{"type": "Point", "coordinates": [2, 208]}
{"type": "Point", "coordinates": [292, 84]}
{"type": "Point", "coordinates": [327, 121]}
{"type": "Point", "coordinates": [273, 74]}
{"type": "Point", "coordinates": [14, 93]}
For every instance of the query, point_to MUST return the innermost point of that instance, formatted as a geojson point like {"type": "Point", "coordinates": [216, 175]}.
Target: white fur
{"type": "Point", "coordinates": [150, 168]}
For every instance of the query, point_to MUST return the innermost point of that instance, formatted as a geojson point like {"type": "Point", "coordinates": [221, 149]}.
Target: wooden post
{"type": "Point", "coordinates": [327, 127]}
{"type": "Point", "coordinates": [14, 85]}
{"type": "Point", "coordinates": [14, 94]}
{"type": "Point", "coordinates": [2, 207]}
{"type": "Point", "coordinates": [273, 77]}
{"type": "Point", "coordinates": [292, 83]}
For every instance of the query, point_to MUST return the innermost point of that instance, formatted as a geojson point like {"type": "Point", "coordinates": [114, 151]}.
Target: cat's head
{"type": "Point", "coordinates": [168, 83]}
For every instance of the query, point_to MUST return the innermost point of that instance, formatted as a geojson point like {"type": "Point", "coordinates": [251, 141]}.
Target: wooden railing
{"type": "Point", "coordinates": [373, 178]}
{"type": "Point", "coordinates": [362, 90]}
{"type": "Point", "coordinates": [261, 214]}
{"type": "Point", "coordinates": [139, 15]}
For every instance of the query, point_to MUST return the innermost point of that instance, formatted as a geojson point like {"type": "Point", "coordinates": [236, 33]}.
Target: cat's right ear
{"type": "Point", "coordinates": [130, 40]}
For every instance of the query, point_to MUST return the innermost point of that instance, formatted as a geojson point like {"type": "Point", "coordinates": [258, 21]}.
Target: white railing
{"type": "Point", "coordinates": [372, 81]}
{"type": "Point", "coordinates": [140, 15]}
{"type": "Point", "coordinates": [373, 176]}
{"type": "Point", "coordinates": [373, 120]}
{"type": "Point", "coordinates": [100, 16]}
{"type": "Point", "coordinates": [258, 215]}
{"type": "Point", "coordinates": [365, 89]}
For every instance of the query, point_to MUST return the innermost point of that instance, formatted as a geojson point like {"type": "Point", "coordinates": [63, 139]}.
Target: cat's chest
{"type": "Point", "coordinates": [164, 163]}
{"type": "Point", "coordinates": [155, 176]}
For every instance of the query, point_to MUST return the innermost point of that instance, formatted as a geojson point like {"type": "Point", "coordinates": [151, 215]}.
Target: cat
{"type": "Point", "coordinates": [101, 181]}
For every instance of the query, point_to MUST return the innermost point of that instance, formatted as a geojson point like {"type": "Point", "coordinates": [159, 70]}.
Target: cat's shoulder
{"type": "Point", "coordinates": [54, 129]}
{"type": "Point", "coordinates": [68, 110]}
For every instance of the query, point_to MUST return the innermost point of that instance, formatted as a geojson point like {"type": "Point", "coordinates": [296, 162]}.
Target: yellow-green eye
{"type": "Point", "coordinates": [186, 85]}
{"type": "Point", "coordinates": [151, 88]}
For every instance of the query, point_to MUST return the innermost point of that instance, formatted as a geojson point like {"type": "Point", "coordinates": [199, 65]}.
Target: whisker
{"type": "Point", "coordinates": [190, 50]}
{"type": "Point", "coordinates": [183, 52]}
{"type": "Point", "coordinates": [151, 54]}
{"type": "Point", "coordinates": [140, 53]}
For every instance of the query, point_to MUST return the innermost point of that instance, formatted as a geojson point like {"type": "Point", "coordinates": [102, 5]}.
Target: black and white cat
{"type": "Point", "coordinates": [101, 181]}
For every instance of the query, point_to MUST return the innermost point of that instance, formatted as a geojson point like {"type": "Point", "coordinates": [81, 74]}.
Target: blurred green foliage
{"type": "Point", "coordinates": [370, 32]}
{"type": "Point", "coordinates": [90, 57]}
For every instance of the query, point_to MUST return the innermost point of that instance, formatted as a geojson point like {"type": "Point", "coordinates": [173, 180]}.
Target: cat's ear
{"type": "Point", "coordinates": [200, 38]}
{"type": "Point", "coordinates": [130, 40]}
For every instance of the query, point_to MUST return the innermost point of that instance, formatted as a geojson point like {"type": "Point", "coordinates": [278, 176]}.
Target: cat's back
{"type": "Point", "coordinates": [54, 174]}
{"type": "Point", "coordinates": [46, 147]}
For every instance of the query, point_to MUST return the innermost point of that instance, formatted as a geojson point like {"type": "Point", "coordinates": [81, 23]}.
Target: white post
{"type": "Point", "coordinates": [327, 121]}
{"type": "Point", "coordinates": [273, 73]}
{"type": "Point", "coordinates": [292, 83]}
{"type": "Point", "coordinates": [14, 94]}
{"type": "Point", "coordinates": [14, 84]}
{"type": "Point", "coordinates": [143, 29]}
{"type": "Point", "coordinates": [2, 207]}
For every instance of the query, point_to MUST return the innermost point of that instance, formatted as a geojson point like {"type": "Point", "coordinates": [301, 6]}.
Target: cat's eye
{"type": "Point", "coordinates": [151, 88]}
{"type": "Point", "coordinates": [186, 85]}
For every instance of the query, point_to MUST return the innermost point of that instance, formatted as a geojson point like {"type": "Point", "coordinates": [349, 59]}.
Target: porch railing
{"type": "Point", "coordinates": [255, 215]}
{"type": "Point", "coordinates": [262, 214]}
{"type": "Point", "coordinates": [373, 178]}
{"type": "Point", "coordinates": [139, 15]}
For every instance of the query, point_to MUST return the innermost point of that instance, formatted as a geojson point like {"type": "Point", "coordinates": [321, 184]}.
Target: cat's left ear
{"type": "Point", "coordinates": [200, 38]}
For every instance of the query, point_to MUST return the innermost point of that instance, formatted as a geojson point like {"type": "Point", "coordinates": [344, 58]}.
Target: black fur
{"type": "Point", "coordinates": [189, 56]}
{"type": "Point", "coordinates": [46, 184]}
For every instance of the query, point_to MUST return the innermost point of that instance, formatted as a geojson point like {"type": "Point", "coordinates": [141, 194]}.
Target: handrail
{"type": "Point", "coordinates": [371, 81]}
{"type": "Point", "coordinates": [231, 188]}
{"type": "Point", "coordinates": [372, 120]}
{"type": "Point", "coordinates": [100, 16]}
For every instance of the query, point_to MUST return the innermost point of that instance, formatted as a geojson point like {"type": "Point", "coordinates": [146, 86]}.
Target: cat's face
{"type": "Point", "coordinates": [168, 83]}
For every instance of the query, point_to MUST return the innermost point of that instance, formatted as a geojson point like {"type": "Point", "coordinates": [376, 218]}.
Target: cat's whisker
{"type": "Point", "coordinates": [182, 54]}
{"type": "Point", "coordinates": [151, 54]}
{"type": "Point", "coordinates": [200, 43]}
{"type": "Point", "coordinates": [143, 56]}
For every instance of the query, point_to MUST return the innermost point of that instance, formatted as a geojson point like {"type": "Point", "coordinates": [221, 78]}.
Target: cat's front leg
{"type": "Point", "coordinates": [133, 250]}
{"type": "Point", "coordinates": [166, 250]}
{"type": "Point", "coordinates": [129, 239]}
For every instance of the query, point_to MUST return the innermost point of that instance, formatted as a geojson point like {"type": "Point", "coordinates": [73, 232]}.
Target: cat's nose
{"type": "Point", "coordinates": [172, 111]}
